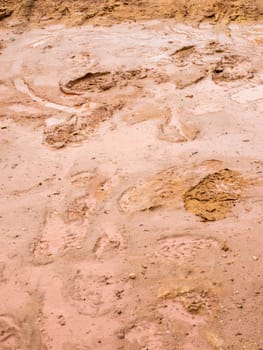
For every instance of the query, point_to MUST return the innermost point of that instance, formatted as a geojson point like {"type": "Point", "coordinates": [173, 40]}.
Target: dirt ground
{"type": "Point", "coordinates": [131, 175]}
{"type": "Point", "coordinates": [112, 11]}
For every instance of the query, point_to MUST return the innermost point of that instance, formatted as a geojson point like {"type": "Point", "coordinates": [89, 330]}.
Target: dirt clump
{"type": "Point", "coordinates": [76, 128]}
{"type": "Point", "coordinates": [194, 301]}
{"type": "Point", "coordinates": [5, 12]}
{"type": "Point", "coordinates": [214, 196]}
{"type": "Point", "coordinates": [231, 68]}
{"type": "Point", "coordinates": [224, 65]}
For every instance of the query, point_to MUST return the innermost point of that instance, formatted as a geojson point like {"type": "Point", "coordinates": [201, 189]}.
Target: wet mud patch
{"type": "Point", "coordinates": [76, 128]}
{"type": "Point", "coordinates": [120, 259]}
{"type": "Point", "coordinates": [101, 81]}
{"type": "Point", "coordinates": [215, 195]}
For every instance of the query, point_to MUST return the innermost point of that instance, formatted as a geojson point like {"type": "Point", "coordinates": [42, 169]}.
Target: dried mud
{"type": "Point", "coordinates": [108, 11]}
{"type": "Point", "coordinates": [101, 81]}
{"type": "Point", "coordinates": [75, 129]}
{"type": "Point", "coordinates": [215, 195]}
{"type": "Point", "coordinates": [131, 176]}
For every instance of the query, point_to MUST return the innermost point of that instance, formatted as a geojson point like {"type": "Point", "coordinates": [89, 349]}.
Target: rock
{"type": "Point", "coordinates": [132, 276]}
{"type": "Point", "coordinates": [5, 12]}
{"type": "Point", "coordinates": [225, 247]}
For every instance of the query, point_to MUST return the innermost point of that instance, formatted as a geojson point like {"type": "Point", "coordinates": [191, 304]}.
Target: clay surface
{"type": "Point", "coordinates": [131, 175]}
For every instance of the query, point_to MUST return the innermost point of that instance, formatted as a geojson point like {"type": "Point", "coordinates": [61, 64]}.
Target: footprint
{"type": "Point", "coordinates": [174, 130]}
{"type": "Point", "coordinates": [150, 335]}
{"type": "Point", "coordinates": [189, 326]}
{"type": "Point", "coordinates": [110, 241]}
{"type": "Point", "coordinates": [211, 198]}
{"type": "Point", "coordinates": [10, 334]}
{"type": "Point", "coordinates": [161, 190]}
{"type": "Point", "coordinates": [78, 209]}
{"type": "Point", "coordinates": [91, 291]}
{"type": "Point", "coordinates": [41, 252]}
{"type": "Point", "coordinates": [16, 335]}
{"type": "Point", "coordinates": [100, 81]}
{"type": "Point", "coordinates": [215, 195]}
{"type": "Point", "coordinates": [179, 248]}
{"type": "Point", "coordinates": [93, 82]}
{"type": "Point", "coordinates": [76, 128]}
{"type": "Point", "coordinates": [83, 178]}
{"type": "Point", "coordinates": [58, 237]}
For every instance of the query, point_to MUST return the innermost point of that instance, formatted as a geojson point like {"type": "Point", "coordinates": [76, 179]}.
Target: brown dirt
{"type": "Point", "coordinates": [75, 129]}
{"type": "Point", "coordinates": [109, 11]}
{"type": "Point", "coordinates": [215, 195]}
{"type": "Point", "coordinates": [101, 81]}
{"type": "Point", "coordinates": [131, 175]}
{"type": "Point", "coordinates": [231, 68]}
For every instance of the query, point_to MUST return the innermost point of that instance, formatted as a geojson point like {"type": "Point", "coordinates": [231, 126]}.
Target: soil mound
{"type": "Point", "coordinates": [107, 11]}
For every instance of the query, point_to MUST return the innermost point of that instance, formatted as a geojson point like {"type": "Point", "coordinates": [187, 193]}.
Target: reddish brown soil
{"type": "Point", "coordinates": [110, 11]}
{"type": "Point", "coordinates": [131, 175]}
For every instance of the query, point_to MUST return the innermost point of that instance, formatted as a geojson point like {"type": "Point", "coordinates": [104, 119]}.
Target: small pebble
{"type": "Point", "coordinates": [132, 276]}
